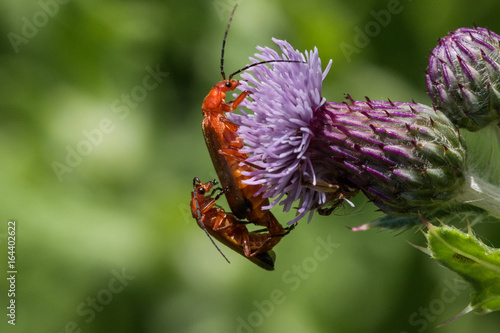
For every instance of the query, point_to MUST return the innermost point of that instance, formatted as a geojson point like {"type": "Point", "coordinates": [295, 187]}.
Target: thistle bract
{"type": "Point", "coordinates": [405, 157]}
{"type": "Point", "coordinates": [474, 261]}
{"type": "Point", "coordinates": [463, 78]}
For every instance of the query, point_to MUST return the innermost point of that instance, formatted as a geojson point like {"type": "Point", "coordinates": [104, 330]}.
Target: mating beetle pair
{"type": "Point", "coordinates": [223, 144]}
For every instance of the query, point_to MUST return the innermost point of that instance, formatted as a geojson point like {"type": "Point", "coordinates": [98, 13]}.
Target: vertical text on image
{"type": "Point", "coordinates": [11, 271]}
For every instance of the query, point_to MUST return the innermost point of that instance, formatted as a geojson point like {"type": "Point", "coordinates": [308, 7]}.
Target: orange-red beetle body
{"type": "Point", "coordinates": [223, 144]}
{"type": "Point", "coordinates": [230, 231]}
{"type": "Point", "coordinates": [220, 137]}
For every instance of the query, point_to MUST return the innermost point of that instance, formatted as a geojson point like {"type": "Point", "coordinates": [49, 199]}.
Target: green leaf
{"type": "Point", "coordinates": [470, 258]}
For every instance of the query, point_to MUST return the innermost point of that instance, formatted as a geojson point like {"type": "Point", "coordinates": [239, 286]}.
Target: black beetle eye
{"type": "Point", "coordinates": [201, 191]}
{"type": "Point", "coordinates": [229, 84]}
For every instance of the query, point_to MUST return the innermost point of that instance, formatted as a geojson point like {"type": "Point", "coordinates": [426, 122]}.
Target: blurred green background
{"type": "Point", "coordinates": [120, 207]}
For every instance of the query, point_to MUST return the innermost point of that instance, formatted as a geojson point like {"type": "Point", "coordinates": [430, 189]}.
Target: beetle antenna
{"type": "Point", "coordinates": [198, 219]}
{"type": "Point", "coordinates": [224, 43]}
{"type": "Point", "coordinates": [248, 66]}
{"type": "Point", "coordinates": [263, 62]}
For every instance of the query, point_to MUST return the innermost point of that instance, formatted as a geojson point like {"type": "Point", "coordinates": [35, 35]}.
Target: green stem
{"type": "Point", "coordinates": [480, 193]}
{"type": "Point", "coordinates": [496, 129]}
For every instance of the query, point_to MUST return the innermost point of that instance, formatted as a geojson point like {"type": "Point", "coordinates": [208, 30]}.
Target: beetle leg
{"type": "Point", "coordinates": [321, 185]}
{"type": "Point", "coordinates": [268, 243]}
{"type": "Point", "coordinates": [246, 244]}
{"type": "Point", "coordinates": [241, 97]}
{"type": "Point", "coordinates": [287, 231]}
{"type": "Point", "coordinates": [219, 223]}
{"type": "Point", "coordinates": [218, 195]}
{"type": "Point", "coordinates": [262, 248]}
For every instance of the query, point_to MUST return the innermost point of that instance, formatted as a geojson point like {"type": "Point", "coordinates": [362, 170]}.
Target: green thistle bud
{"type": "Point", "coordinates": [406, 158]}
{"type": "Point", "coordinates": [463, 78]}
{"type": "Point", "coordinates": [469, 257]}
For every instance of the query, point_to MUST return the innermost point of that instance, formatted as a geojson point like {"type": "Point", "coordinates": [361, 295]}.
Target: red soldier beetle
{"type": "Point", "coordinates": [223, 144]}
{"type": "Point", "coordinates": [226, 228]}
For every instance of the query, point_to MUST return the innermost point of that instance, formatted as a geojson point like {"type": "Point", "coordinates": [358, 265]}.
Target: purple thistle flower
{"type": "Point", "coordinates": [284, 99]}
{"type": "Point", "coordinates": [463, 78]}
{"type": "Point", "coordinates": [405, 157]}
